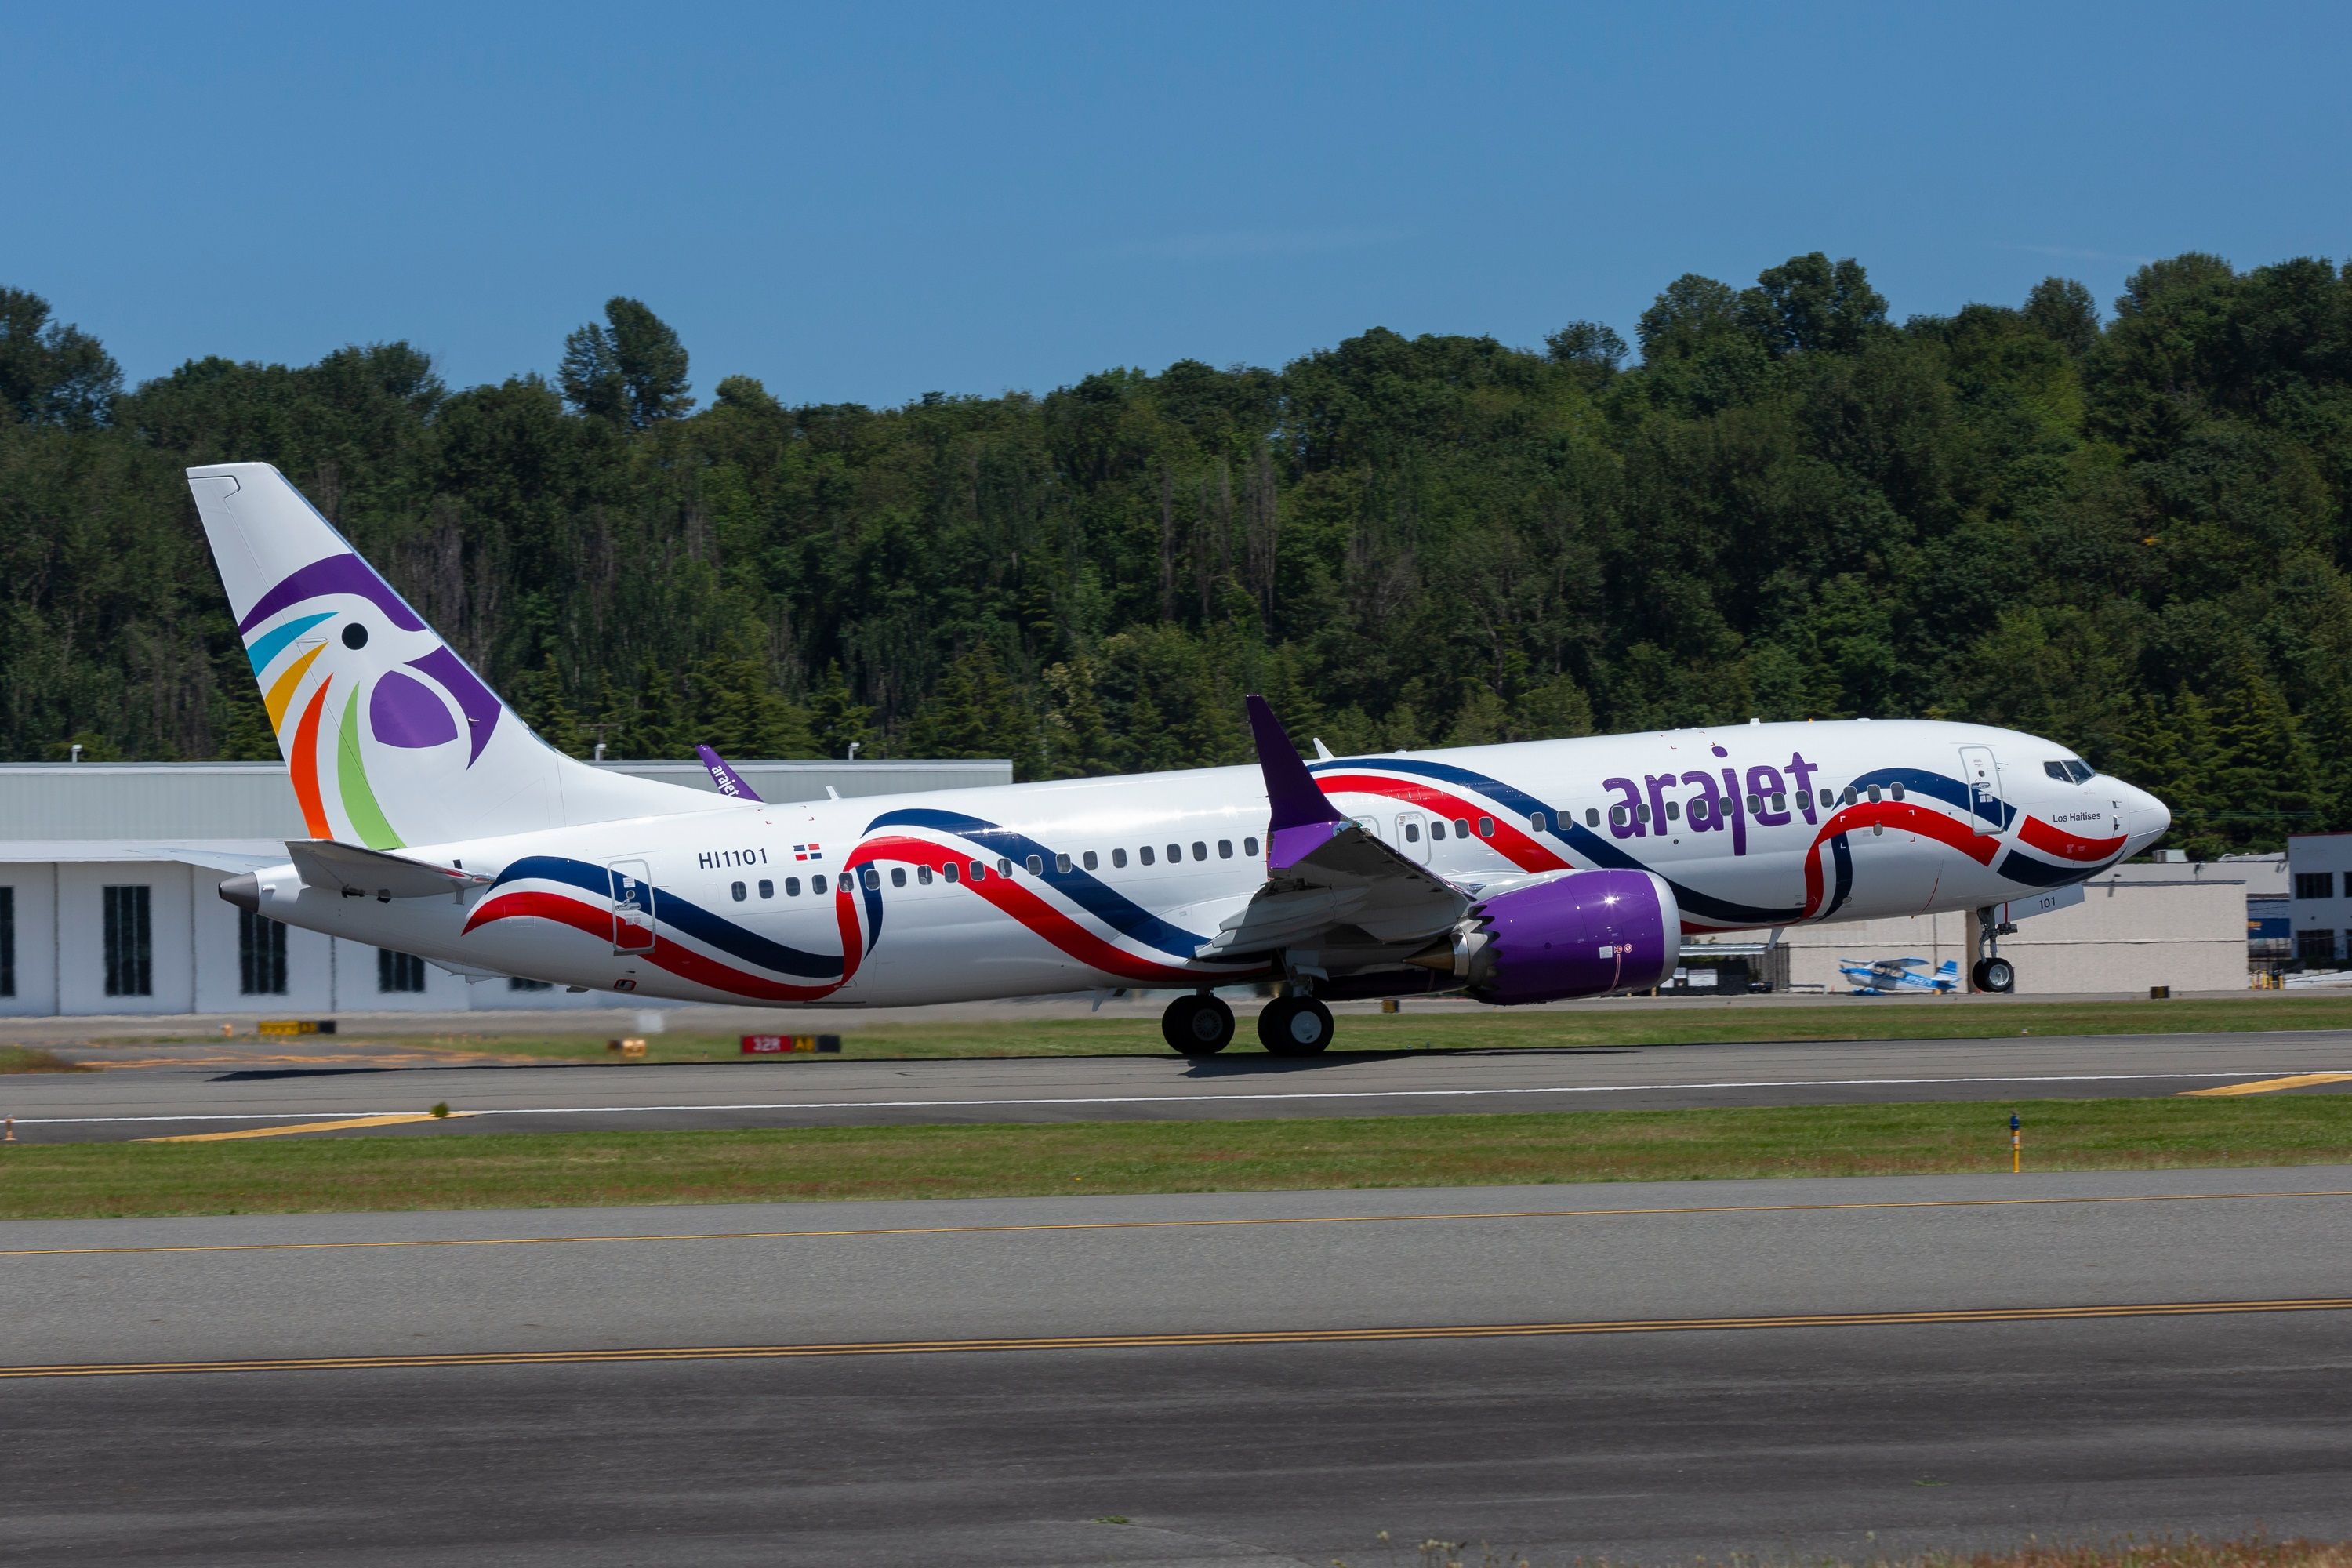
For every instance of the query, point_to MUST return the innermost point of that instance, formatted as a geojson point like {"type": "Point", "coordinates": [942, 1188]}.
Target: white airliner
{"type": "Point", "coordinates": [440, 825]}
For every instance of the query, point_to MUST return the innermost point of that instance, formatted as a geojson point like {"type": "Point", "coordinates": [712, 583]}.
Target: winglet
{"type": "Point", "coordinates": [729, 781]}
{"type": "Point", "coordinates": [1302, 818]}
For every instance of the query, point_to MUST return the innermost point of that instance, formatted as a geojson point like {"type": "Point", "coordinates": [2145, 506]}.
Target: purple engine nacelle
{"type": "Point", "coordinates": [1584, 934]}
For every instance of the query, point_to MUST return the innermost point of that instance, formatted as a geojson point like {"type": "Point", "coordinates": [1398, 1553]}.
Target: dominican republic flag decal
{"type": "Point", "coordinates": [807, 852]}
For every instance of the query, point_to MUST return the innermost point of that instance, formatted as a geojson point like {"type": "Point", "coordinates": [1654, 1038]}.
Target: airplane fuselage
{"type": "Point", "coordinates": [1105, 882]}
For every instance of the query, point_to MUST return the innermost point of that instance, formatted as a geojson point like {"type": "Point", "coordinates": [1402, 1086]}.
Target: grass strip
{"type": "Point", "coordinates": [1676, 1021]}
{"type": "Point", "coordinates": [30, 1058]}
{"type": "Point", "coordinates": [428, 1170]}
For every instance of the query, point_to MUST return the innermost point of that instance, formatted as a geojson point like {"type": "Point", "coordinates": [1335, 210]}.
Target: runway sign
{"type": "Point", "coordinates": [781, 1044]}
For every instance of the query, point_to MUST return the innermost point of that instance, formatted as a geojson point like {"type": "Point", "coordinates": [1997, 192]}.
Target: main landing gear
{"type": "Point", "coordinates": [1201, 1026]}
{"type": "Point", "coordinates": [1295, 1026]}
{"type": "Point", "coordinates": [1198, 1025]}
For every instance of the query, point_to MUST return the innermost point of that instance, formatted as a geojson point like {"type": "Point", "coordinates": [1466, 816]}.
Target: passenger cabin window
{"type": "Point", "coordinates": [1461, 828]}
{"type": "Point", "coordinates": [1090, 862]}
{"type": "Point", "coordinates": [1224, 848]}
{"type": "Point", "coordinates": [873, 877]}
{"type": "Point", "coordinates": [792, 887]}
{"type": "Point", "coordinates": [767, 889]}
{"type": "Point", "coordinates": [1642, 812]}
{"type": "Point", "coordinates": [923, 875]}
{"type": "Point", "coordinates": [1146, 853]}
{"type": "Point", "coordinates": [1539, 822]}
{"type": "Point", "coordinates": [1118, 859]}
{"type": "Point", "coordinates": [737, 888]}
{"type": "Point", "coordinates": [817, 883]}
{"type": "Point", "coordinates": [1175, 853]}
{"type": "Point", "coordinates": [1486, 827]}
{"type": "Point", "coordinates": [1873, 794]}
{"type": "Point", "coordinates": [1037, 864]}
{"type": "Point", "coordinates": [1895, 790]}
{"type": "Point", "coordinates": [1062, 864]}
{"type": "Point", "coordinates": [1617, 816]}
{"type": "Point", "coordinates": [1411, 831]}
{"type": "Point", "coordinates": [1249, 846]}
{"type": "Point", "coordinates": [1200, 850]}
{"type": "Point", "coordinates": [1593, 815]}
{"type": "Point", "coordinates": [1674, 810]}
{"type": "Point", "coordinates": [1003, 867]}
{"type": "Point", "coordinates": [1437, 828]}
{"type": "Point", "coordinates": [897, 876]}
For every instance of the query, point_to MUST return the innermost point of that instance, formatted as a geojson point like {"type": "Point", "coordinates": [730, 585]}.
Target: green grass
{"type": "Point", "coordinates": [1664, 1023]}
{"type": "Point", "coordinates": [28, 1058]}
{"type": "Point", "coordinates": [430, 1170]}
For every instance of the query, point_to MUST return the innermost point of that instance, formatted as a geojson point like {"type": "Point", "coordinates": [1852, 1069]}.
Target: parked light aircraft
{"type": "Point", "coordinates": [440, 825]}
{"type": "Point", "coordinates": [1886, 977]}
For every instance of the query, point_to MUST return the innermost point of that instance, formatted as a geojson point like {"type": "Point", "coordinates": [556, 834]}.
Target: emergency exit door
{"type": "Point", "coordinates": [1982, 775]}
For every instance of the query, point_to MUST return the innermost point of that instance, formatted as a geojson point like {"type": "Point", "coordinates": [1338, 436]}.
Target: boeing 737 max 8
{"type": "Point", "coordinates": [440, 825]}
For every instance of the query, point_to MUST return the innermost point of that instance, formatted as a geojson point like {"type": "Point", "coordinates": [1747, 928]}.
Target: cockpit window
{"type": "Point", "coordinates": [2070, 770]}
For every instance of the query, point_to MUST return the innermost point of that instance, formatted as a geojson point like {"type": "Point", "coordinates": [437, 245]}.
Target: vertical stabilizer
{"type": "Point", "coordinates": [390, 737]}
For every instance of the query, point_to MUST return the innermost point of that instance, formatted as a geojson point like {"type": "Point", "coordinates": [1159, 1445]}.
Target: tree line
{"type": "Point", "coordinates": [2128, 533]}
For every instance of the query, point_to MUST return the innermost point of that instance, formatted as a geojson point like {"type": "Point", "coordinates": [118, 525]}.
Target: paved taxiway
{"type": "Point", "coordinates": [1778, 1366]}
{"type": "Point", "coordinates": [806, 1092]}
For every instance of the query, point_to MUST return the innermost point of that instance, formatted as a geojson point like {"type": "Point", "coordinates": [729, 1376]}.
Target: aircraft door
{"type": "Point", "coordinates": [633, 907]}
{"type": "Point", "coordinates": [1982, 775]}
{"type": "Point", "coordinates": [1412, 836]}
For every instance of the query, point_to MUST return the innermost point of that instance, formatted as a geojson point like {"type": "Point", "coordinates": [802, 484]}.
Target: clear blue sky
{"type": "Point", "coordinates": [867, 202]}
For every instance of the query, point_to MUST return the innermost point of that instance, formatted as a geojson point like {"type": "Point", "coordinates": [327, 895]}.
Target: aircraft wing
{"type": "Point", "coordinates": [1325, 872]}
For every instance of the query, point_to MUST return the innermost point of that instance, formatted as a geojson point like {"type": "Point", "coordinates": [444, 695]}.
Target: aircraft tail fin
{"type": "Point", "coordinates": [390, 737]}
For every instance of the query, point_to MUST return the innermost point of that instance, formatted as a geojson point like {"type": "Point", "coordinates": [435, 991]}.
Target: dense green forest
{"type": "Point", "coordinates": [2130, 536]}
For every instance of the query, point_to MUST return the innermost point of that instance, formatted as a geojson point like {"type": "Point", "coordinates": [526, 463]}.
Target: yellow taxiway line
{"type": "Point", "coordinates": [844, 1233]}
{"type": "Point", "coordinates": [2268, 1085]}
{"type": "Point", "coordinates": [1191, 1340]}
{"type": "Point", "coordinates": [349, 1122]}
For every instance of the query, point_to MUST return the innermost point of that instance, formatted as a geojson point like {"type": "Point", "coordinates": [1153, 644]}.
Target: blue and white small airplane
{"type": "Point", "coordinates": [440, 825]}
{"type": "Point", "coordinates": [1888, 976]}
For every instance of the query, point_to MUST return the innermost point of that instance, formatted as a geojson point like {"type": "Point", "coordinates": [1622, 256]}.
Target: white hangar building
{"type": "Point", "coordinates": [103, 912]}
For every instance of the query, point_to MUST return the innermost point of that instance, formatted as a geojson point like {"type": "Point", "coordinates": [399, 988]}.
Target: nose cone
{"type": "Point", "coordinates": [2145, 819]}
{"type": "Point", "coordinates": [244, 890]}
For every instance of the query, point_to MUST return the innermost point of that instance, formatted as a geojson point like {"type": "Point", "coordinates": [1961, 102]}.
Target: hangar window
{"type": "Point", "coordinates": [1090, 863]}
{"type": "Point", "coordinates": [737, 890]}
{"type": "Point", "coordinates": [767, 889]}
{"type": "Point", "coordinates": [2314, 945]}
{"type": "Point", "coordinates": [1146, 853]}
{"type": "Point", "coordinates": [792, 887]}
{"type": "Point", "coordinates": [1249, 846]}
{"type": "Point", "coordinates": [516, 983]}
{"type": "Point", "coordinates": [1118, 859]}
{"type": "Point", "coordinates": [260, 955]}
{"type": "Point", "coordinates": [2314, 884]}
{"type": "Point", "coordinates": [396, 972]}
{"type": "Point", "coordinates": [7, 942]}
{"type": "Point", "coordinates": [130, 942]}
{"type": "Point", "coordinates": [897, 876]}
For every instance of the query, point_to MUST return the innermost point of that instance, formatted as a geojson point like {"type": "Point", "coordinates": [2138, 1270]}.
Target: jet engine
{"type": "Point", "coordinates": [1584, 934]}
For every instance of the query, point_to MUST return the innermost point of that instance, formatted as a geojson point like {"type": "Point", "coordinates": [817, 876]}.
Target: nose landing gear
{"type": "Point", "coordinates": [1198, 1025]}
{"type": "Point", "coordinates": [1991, 972]}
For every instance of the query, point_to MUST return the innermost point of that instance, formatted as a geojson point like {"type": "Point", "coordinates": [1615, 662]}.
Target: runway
{"type": "Point", "coordinates": [810, 1093]}
{"type": "Point", "coordinates": [1641, 1371]}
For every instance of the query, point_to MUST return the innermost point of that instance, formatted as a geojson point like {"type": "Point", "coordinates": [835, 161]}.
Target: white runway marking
{"type": "Point", "coordinates": [1168, 1099]}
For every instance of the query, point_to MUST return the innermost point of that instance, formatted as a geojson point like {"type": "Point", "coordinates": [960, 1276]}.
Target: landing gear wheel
{"type": "Point", "coordinates": [1997, 975]}
{"type": "Point", "coordinates": [1295, 1026]}
{"type": "Point", "coordinates": [1197, 1026]}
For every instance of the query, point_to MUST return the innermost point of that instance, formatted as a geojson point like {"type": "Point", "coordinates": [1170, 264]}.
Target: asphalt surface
{"type": "Point", "coordinates": [167, 1100]}
{"type": "Point", "coordinates": [1646, 1372]}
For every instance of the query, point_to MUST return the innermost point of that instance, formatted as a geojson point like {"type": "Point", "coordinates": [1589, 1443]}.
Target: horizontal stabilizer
{"type": "Point", "coordinates": [347, 867]}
